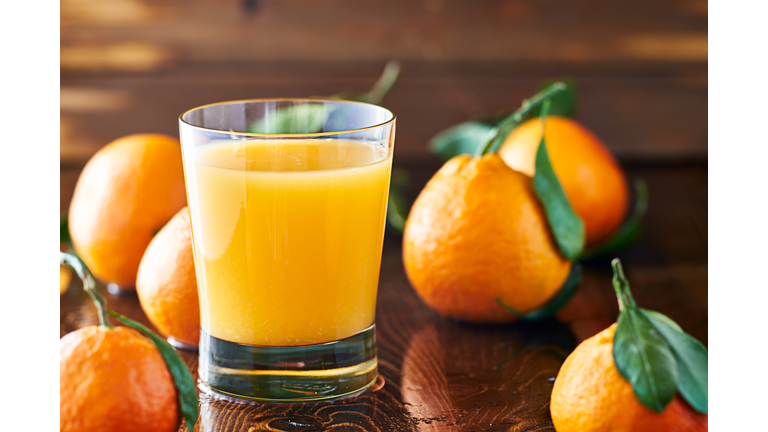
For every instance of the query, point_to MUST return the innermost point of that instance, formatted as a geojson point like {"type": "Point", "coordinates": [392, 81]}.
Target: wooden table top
{"type": "Point", "coordinates": [448, 376]}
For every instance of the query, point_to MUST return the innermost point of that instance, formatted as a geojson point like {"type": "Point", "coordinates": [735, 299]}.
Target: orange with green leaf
{"type": "Point", "coordinates": [121, 378]}
{"type": "Point", "coordinates": [478, 233]}
{"type": "Point", "coordinates": [643, 373]}
{"type": "Point", "coordinates": [592, 180]}
{"type": "Point", "coordinates": [485, 243]}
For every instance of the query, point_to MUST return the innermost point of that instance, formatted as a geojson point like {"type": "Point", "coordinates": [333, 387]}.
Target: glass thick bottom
{"type": "Point", "coordinates": [116, 289]}
{"type": "Point", "coordinates": [181, 345]}
{"type": "Point", "coordinates": [289, 374]}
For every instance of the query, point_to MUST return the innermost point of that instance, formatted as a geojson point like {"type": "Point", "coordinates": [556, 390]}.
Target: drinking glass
{"type": "Point", "coordinates": [288, 199]}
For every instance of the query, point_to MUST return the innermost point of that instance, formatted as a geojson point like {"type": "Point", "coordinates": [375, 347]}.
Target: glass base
{"type": "Point", "coordinates": [116, 289]}
{"type": "Point", "coordinates": [181, 345]}
{"type": "Point", "coordinates": [289, 374]}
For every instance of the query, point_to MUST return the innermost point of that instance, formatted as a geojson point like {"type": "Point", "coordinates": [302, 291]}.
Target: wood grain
{"type": "Point", "coordinates": [442, 375]}
{"type": "Point", "coordinates": [651, 113]}
{"type": "Point", "coordinates": [152, 32]}
{"type": "Point", "coordinates": [131, 66]}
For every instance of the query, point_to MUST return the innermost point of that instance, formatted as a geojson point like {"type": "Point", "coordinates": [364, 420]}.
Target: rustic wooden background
{"type": "Point", "coordinates": [130, 66]}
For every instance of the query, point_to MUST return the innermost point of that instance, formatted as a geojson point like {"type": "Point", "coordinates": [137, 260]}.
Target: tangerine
{"type": "Point", "coordinates": [127, 191]}
{"type": "Point", "coordinates": [64, 278]}
{"type": "Point", "coordinates": [477, 232]}
{"type": "Point", "coordinates": [114, 380]}
{"type": "Point", "coordinates": [591, 178]}
{"type": "Point", "coordinates": [166, 283]}
{"type": "Point", "coordinates": [590, 395]}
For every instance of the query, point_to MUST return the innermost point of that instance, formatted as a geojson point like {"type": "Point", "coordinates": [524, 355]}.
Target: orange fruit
{"type": "Point", "coordinates": [477, 232]}
{"type": "Point", "coordinates": [127, 191]}
{"type": "Point", "coordinates": [590, 395]}
{"type": "Point", "coordinates": [166, 283]}
{"type": "Point", "coordinates": [591, 178]}
{"type": "Point", "coordinates": [114, 380]}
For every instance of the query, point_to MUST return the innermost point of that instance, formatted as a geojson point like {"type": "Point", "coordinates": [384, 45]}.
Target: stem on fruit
{"type": "Point", "coordinates": [507, 125]}
{"type": "Point", "coordinates": [544, 112]}
{"type": "Point", "coordinates": [621, 286]}
{"type": "Point", "coordinates": [385, 82]}
{"type": "Point", "coordinates": [89, 285]}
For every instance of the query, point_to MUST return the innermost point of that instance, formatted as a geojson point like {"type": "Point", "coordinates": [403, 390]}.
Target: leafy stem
{"type": "Point", "coordinates": [182, 378]}
{"type": "Point", "coordinates": [692, 360]}
{"type": "Point", "coordinates": [544, 112]}
{"type": "Point", "coordinates": [621, 286]}
{"type": "Point", "coordinates": [380, 89]}
{"type": "Point", "coordinates": [385, 83]}
{"type": "Point", "coordinates": [641, 354]}
{"type": "Point", "coordinates": [64, 239]}
{"type": "Point", "coordinates": [644, 358]}
{"type": "Point", "coordinates": [567, 227]}
{"type": "Point", "coordinates": [507, 125]}
{"type": "Point", "coordinates": [89, 285]}
{"type": "Point", "coordinates": [655, 355]}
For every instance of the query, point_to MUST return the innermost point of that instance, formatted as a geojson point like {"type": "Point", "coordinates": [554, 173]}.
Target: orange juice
{"type": "Point", "coordinates": [288, 237]}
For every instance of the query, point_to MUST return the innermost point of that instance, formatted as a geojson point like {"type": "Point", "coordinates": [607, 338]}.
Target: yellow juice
{"type": "Point", "coordinates": [287, 237]}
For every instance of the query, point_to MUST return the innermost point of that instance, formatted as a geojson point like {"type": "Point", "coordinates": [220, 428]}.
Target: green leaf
{"type": "Point", "coordinates": [644, 358]}
{"type": "Point", "coordinates": [563, 103]}
{"type": "Point", "coordinates": [397, 212]}
{"type": "Point", "coordinates": [310, 118]}
{"type": "Point", "coordinates": [303, 118]}
{"type": "Point", "coordinates": [511, 122]}
{"type": "Point", "coordinates": [621, 286]}
{"type": "Point", "coordinates": [641, 354]}
{"type": "Point", "coordinates": [384, 83]}
{"type": "Point", "coordinates": [692, 360]}
{"type": "Point", "coordinates": [380, 88]}
{"type": "Point", "coordinates": [629, 233]}
{"type": "Point", "coordinates": [397, 207]}
{"type": "Point", "coordinates": [64, 237]}
{"type": "Point", "coordinates": [566, 225]}
{"type": "Point", "coordinates": [182, 378]}
{"type": "Point", "coordinates": [89, 284]}
{"type": "Point", "coordinates": [482, 136]}
{"type": "Point", "coordinates": [463, 138]}
{"type": "Point", "coordinates": [556, 303]}
{"type": "Point", "coordinates": [662, 319]}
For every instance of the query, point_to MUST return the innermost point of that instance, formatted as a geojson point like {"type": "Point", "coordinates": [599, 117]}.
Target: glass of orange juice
{"type": "Point", "coordinates": [288, 199]}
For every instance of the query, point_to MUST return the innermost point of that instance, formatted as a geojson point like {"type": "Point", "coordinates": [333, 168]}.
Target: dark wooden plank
{"type": "Point", "coordinates": [135, 34]}
{"type": "Point", "coordinates": [643, 112]}
{"type": "Point", "coordinates": [448, 376]}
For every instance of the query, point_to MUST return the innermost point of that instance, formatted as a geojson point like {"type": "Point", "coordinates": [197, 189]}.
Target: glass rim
{"type": "Point", "coordinates": [278, 135]}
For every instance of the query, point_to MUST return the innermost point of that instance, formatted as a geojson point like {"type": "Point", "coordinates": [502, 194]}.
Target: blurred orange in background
{"type": "Point", "coordinates": [592, 180]}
